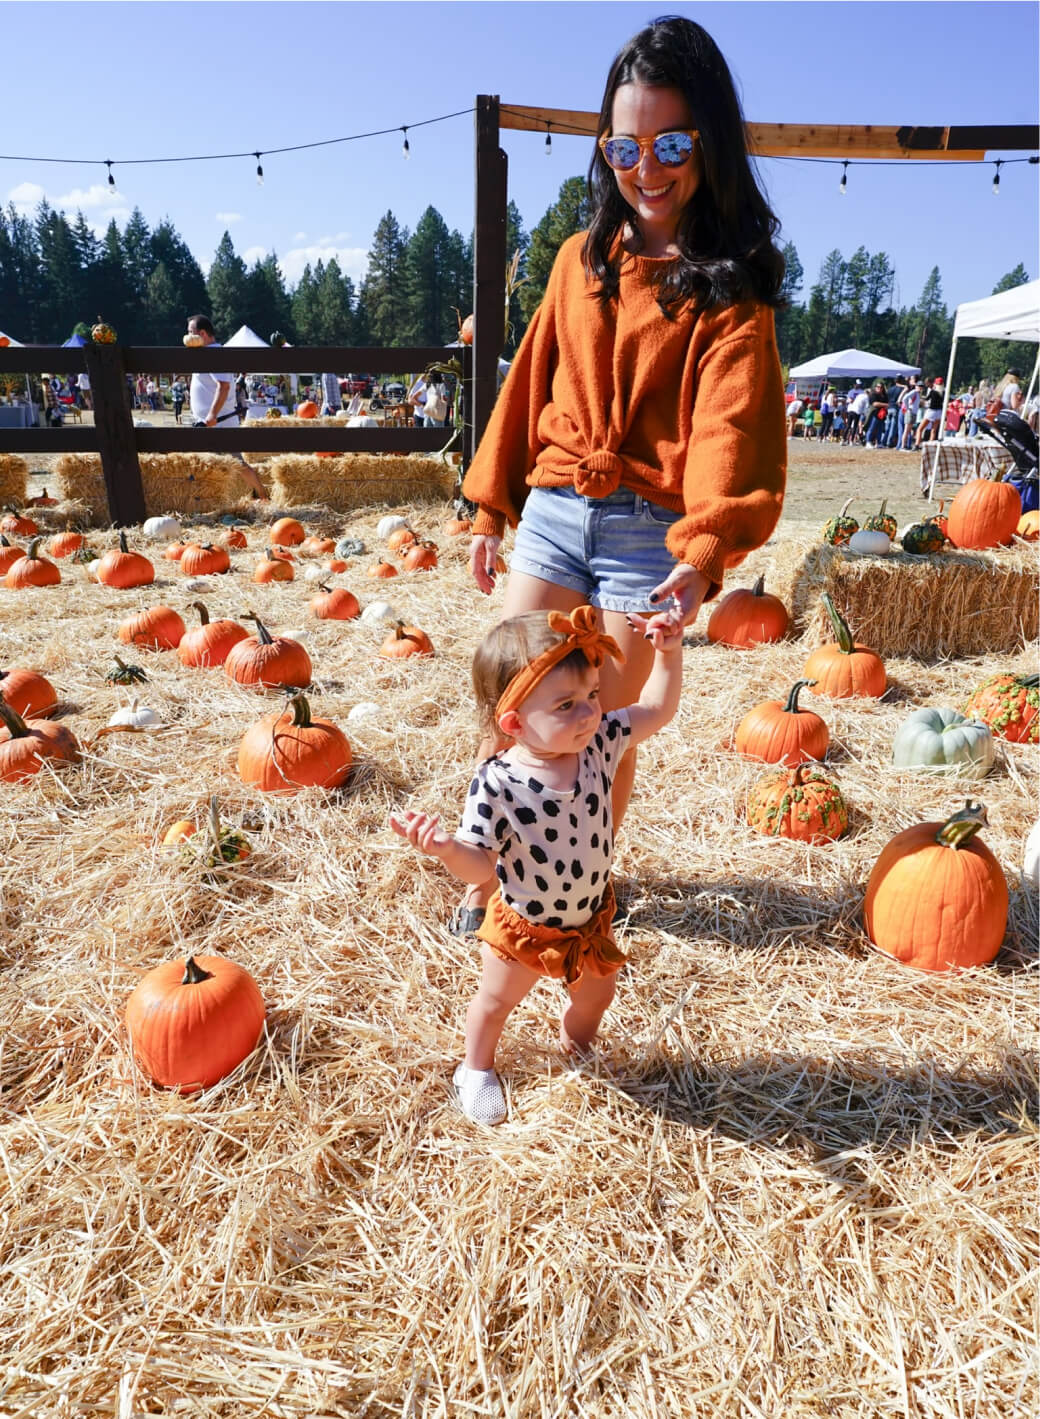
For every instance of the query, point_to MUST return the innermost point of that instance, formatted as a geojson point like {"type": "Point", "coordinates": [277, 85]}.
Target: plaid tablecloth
{"type": "Point", "coordinates": [961, 459]}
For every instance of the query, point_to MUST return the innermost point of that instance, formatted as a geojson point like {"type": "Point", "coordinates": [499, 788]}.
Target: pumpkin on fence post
{"type": "Point", "coordinates": [936, 898]}
{"type": "Point", "coordinates": [844, 668]}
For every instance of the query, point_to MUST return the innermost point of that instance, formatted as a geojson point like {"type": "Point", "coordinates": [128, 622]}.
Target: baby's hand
{"type": "Point", "coordinates": [422, 831]}
{"type": "Point", "coordinates": [664, 629]}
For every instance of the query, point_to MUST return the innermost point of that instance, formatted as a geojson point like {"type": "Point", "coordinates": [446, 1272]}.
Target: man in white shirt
{"type": "Point", "coordinates": [83, 384]}
{"type": "Point", "coordinates": [212, 400]}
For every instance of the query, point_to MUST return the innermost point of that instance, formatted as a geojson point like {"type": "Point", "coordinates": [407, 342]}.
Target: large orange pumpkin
{"type": "Point", "coordinates": [307, 409]}
{"type": "Point", "coordinates": [124, 568]}
{"type": "Point", "coordinates": [9, 554]}
{"type": "Point", "coordinates": [844, 668]}
{"type": "Point", "coordinates": [32, 570]}
{"type": "Point", "coordinates": [158, 628]}
{"type": "Point", "coordinates": [937, 898]}
{"type": "Point", "coordinates": [19, 526]}
{"type": "Point", "coordinates": [1010, 705]}
{"type": "Point", "coordinates": [335, 604]}
{"type": "Point", "coordinates": [800, 803]}
{"type": "Point", "coordinates": [285, 752]}
{"type": "Point", "coordinates": [748, 617]}
{"type": "Point", "coordinates": [287, 532]}
{"type": "Point", "coordinates": [204, 559]}
{"type": "Point", "coordinates": [192, 1022]}
{"type": "Point", "coordinates": [275, 662]}
{"type": "Point", "coordinates": [984, 513]}
{"type": "Point", "coordinates": [64, 544]}
{"type": "Point", "coordinates": [404, 641]}
{"type": "Point", "coordinates": [210, 642]}
{"type": "Point", "coordinates": [273, 567]}
{"type": "Point", "coordinates": [781, 732]}
{"type": "Point", "coordinates": [420, 557]}
{"type": "Point", "coordinates": [25, 743]}
{"type": "Point", "coordinates": [28, 693]}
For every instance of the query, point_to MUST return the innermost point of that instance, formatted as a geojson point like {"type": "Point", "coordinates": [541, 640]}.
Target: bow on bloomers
{"type": "Point", "coordinates": [580, 632]}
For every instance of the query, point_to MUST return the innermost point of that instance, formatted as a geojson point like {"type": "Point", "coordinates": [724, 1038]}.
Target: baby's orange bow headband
{"type": "Point", "coordinates": [580, 632]}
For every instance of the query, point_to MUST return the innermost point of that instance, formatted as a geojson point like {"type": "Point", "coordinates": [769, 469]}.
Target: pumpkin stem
{"type": "Point", "coordinates": [214, 822]}
{"type": "Point", "coordinates": [841, 627]}
{"type": "Point", "coordinates": [200, 608]}
{"type": "Point", "coordinates": [962, 827]}
{"type": "Point", "coordinates": [3, 541]}
{"type": "Point", "coordinates": [34, 549]}
{"type": "Point", "coordinates": [301, 711]}
{"type": "Point", "coordinates": [845, 509]}
{"type": "Point", "coordinates": [792, 707]}
{"type": "Point", "coordinates": [14, 721]}
{"type": "Point", "coordinates": [759, 587]}
{"type": "Point", "coordinates": [194, 974]}
{"type": "Point", "coordinates": [263, 635]}
{"type": "Point", "coordinates": [123, 547]}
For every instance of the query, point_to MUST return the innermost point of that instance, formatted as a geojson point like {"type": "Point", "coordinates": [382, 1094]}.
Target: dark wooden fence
{"type": "Point", "coordinates": [115, 437]}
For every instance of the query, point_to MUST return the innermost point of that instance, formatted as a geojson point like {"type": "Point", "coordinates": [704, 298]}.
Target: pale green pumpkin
{"type": "Point", "coordinates": [943, 741]}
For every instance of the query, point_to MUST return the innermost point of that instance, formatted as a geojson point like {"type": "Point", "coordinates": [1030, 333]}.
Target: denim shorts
{"type": "Point", "coordinates": [610, 549]}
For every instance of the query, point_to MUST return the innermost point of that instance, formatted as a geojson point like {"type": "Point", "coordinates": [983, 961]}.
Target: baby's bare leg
{"type": "Point", "coordinates": [503, 984]}
{"type": "Point", "coordinates": [590, 997]}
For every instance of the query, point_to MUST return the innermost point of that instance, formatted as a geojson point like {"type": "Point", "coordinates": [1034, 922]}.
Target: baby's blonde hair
{"type": "Point", "coordinates": [504, 652]}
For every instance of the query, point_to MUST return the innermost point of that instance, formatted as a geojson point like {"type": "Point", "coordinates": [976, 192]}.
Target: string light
{"type": "Point", "coordinates": [406, 151]}
{"type": "Point", "coordinates": [996, 179]}
{"type": "Point", "coordinates": [548, 140]}
{"type": "Point", "coordinates": [843, 183]}
{"type": "Point", "coordinates": [111, 179]}
{"type": "Point", "coordinates": [259, 171]}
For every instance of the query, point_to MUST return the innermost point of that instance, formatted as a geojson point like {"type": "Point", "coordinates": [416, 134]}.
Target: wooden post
{"type": "Point", "coordinates": [489, 267]}
{"type": "Point", "coordinates": [115, 433]}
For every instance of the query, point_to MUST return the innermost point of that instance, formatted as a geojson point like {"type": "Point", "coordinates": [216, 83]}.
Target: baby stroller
{"type": "Point", "coordinates": [1020, 441]}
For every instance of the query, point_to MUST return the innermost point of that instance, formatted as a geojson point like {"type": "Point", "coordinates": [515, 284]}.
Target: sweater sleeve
{"type": "Point", "coordinates": [496, 480]}
{"type": "Point", "coordinates": [736, 464]}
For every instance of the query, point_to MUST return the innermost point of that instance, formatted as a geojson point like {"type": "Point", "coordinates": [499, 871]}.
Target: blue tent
{"type": "Point", "coordinates": [74, 340]}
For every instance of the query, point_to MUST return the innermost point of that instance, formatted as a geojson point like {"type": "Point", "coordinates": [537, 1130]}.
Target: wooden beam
{"type": "Point", "coordinates": [962, 143]}
{"type": "Point", "coordinates": [489, 267]}
{"type": "Point", "coordinates": [114, 429]}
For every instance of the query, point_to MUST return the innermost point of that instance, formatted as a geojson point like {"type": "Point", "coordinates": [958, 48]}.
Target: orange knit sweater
{"type": "Point", "coordinates": [687, 412]}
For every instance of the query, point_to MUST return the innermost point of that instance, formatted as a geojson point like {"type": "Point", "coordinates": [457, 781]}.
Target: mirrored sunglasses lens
{"type": "Point", "coordinates": [621, 152]}
{"type": "Point", "coordinates": [671, 149]}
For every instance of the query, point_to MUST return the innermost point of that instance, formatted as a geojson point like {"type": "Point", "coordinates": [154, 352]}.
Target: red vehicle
{"type": "Point", "coordinates": [357, 384]}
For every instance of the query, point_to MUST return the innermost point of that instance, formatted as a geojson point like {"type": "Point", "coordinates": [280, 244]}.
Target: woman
{"type": "Point", "coordinates": [638, 443]}
{"type": "Point", "coordinates": [876, 415]}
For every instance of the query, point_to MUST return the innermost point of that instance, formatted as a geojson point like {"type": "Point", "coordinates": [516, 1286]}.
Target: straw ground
{"type": "Point", "coordinates": [793, 1180]}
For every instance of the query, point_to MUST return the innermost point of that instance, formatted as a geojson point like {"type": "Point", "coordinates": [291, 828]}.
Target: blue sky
{"type": "Point", "coordinates": [137, 81]}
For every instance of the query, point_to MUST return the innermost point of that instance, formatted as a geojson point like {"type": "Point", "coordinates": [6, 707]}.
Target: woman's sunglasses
{"type": "Point", "coordinates": [671, 150]}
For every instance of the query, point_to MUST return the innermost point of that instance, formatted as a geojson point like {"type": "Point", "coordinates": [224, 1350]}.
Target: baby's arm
{"type": "Point", "coordinates": [659, 698]}
{"type": "Point", "coordinates": [465, 860]}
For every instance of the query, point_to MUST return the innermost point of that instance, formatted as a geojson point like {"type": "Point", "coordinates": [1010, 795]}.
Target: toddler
{"type": "Point", "coordinates": [538, 818]}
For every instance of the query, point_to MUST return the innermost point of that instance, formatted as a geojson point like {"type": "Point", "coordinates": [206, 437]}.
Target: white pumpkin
{"type": "Point", "coordinates": [313, 573]}
{"type": "Point", "coordinates": [362, 421]}
{"type": "Point", "coordinates": [162, 529]}
{"type": "Point", "coordinates": [366, 709]}
{"type": "Point", "coordinates": [389, 524]}
{"type": "Point", "coordinates": [200, 583]}
{"type": "Point", "coordinates": [1031, 857]}
{"type": "Point", "coordinates": [940, 740]}
{"type": "Point", "coordinates": [136, 716]}
{"type": "Point", "coordinates": [873, 544]}
{"type": "Point", "coordinates": [377, 611]}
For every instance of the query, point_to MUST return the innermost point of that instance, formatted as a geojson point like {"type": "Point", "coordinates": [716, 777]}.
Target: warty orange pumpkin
{"type": "Point", "coordinates": [1009, 704]}
{"type": "Point", "coordinates": [800, 803]}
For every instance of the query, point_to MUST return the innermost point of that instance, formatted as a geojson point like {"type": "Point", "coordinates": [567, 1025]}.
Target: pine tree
{"type": "Point", "coordinates": [929, 328]}
{"type": "Point", "coordinates": [162, 307]}
{"type": "Point", "coordinates": [570, 213]}
{"type": "Point", "coordinates": [62, 294]}
{"type": "Point", "coordinates": [827, 302]}
{"type": "Point", "coordinates": [20, 283]}
{"type": "Point", "coordinates": [112, 296]}
{"type": "Point", "coordinates": [517, 240]}
{"type": "Point", "coordinates": [267, 307]}
{"type": "Point", "coordinates": [305, 307]}
{"type": "Point", "coordinates": [384, 288]}
{"type": "Point", "coordinates": [167, 246]}
{"type": "Point", "coordinates": [996, 357]}
{"type": "Point", "coordinates": [334, 307]}
{"type": "Point", "coordinates": [226, 288]}
{"type": "Point", "coordinates": [428, 317]}
{"type": "Point", "coordinates": [137, 252]}
{"type": "Point", "coordinates": [789, 316]}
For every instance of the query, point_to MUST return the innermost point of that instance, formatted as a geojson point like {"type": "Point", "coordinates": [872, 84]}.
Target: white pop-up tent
{"type": "Point", "coordinates": [243, 336]}
{"type": "Point", "coordinates": [1009, 315]}
{"type": "Point", "coordinates": [850, 364]}
{"type": "Point", "coordinates": [8, 341]}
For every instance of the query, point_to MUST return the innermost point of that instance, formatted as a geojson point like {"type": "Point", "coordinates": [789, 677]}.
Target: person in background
{"type": "Point", "coordinates": [213, 400]}
{"type": "Point", "coordinates": [417, 399]}
{"type": "Point", "coordinates": [855, 409]}
{"type": "Point", "coordinates": [877, 411]}
{"type": "Point", "coordinates": [331, 394]}
{"type": "Point", "coordinates": [178, 390]}
{"type": "Point", "coordinates": [52, 406]}
{"type": "Point", "coordinates": [1009, 391]}
{"type": "Point", "coordinates": [928, 428]}
{"type": "Point", "coordinates": [794, 413]}
{"type": "Point", "coordinates": [827, 405]}
{"type": "Point", "coordinates": [908, 407]}
{"type": "Point", "coordinates": [893, 395]}
{"type": "Point", "coordinates": [83, 385]}
{"type": "Point", "coordinates": [435, 410]}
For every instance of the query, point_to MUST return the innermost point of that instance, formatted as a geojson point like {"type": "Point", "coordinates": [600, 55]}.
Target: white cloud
{"type": "Point", "coordinates": [254, 253]}
{"type": "Point", "coordinates": [26, 197]}
{"type": "Point", "coordinates": [299, 236]}
{"type": "Point", "coordinates": [98, 197]}
{"type": "Point", "coordinates": [228, 218]}
{"type": "Point", "coordinates": [353, 260]}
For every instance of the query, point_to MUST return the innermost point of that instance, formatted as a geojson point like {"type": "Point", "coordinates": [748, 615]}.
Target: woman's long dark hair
{"type": "Point", "coordinates": [725, 235]}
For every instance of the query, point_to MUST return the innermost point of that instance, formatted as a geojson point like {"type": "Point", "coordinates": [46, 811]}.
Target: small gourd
{"type": "Point", "coordinates": [882, 521]}
{"type": "Point", "coordinates": [837, 530]}
{"type": "Point", "coordinates": [386, 525]}
{"type": "Point", "coordinates": [923, 539]}
{"type": "Point", "coordinates": [135, 716]}
{"type": "Point", "coordinates": [159, 529]}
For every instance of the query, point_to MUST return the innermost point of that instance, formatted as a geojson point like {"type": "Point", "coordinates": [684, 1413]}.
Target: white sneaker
{"type": "Point", "coordinates": [479, 1094]}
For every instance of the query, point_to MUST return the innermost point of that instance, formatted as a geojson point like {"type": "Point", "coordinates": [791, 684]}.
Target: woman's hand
{"type": "Point", "coordinates": [686, 588]}
{"type": "Point", "coordinates": [483, 556]}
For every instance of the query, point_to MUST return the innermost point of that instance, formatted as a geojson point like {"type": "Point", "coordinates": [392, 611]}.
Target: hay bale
{"type": "Point", "coordinates": [183, 483]}
{"type": "Point", "coordinates": [13, 474]}
{"type": "Point", "coordinates": [354, 480]}
{"type": "Point", "coordinates": [956, 603]}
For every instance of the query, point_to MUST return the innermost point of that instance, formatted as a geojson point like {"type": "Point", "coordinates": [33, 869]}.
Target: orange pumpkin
{"type": "Point", "coordinates": [457, 527]}
{"type": "Point", "coordinates": [1029, 526]}
{"type": "Point", "coordinates": [984, 513]}
{"type": "Point", "coordinates": [19, 526]}
{"type": "Point", "coordinates": [335, 604]}
{"type": "Point", "coordinates": [287, 532]}
{"type": "Point", "coordinates": [307, 410]}
{"type": "Point", "coordinates": [421, 557]}
{"type": "Point", "coordinates": [845, 668]}
{"type": "Point", "coordinates": [317, 546]}
{"type": "Point", "coordinates": [466, 331]}
{"type": "Point", "coordinates": [800, 803]}
{"type": "Point", "coordinates": [42, 500]}
{"type": "Point", "coordinates": [224, 844]}
{"type": "Point", "coordinates": [275, 662]}
{"type": "Point", "coordinates": [383, 569]}
{"type": "Point", "coordinates": [173, 552]}
{"type": "Point", "coordinates": [234, 537]}
{"type": "Point", "coordinates": [781, 732]}
{"type": "Point", "coordinates": [1009, 704]}
{"type": "Point", "coordinates": [273, 568]}
{"type": "Point", "coordinates": [9, 554]}
{"type": "Point", "coordinates": [26, 743]}
{"type": "Point", "coordinates": [285, 752]}
{"type": "Point", "coordinates": [337, 564]}
{"type": "Point", "coordinates": [28, 693]}
{"type": "Point", "coordinates": [32, 570]}
{"type": "Point", "coordinates": [401, 537]}
{"type": "Point", "coordinates": [158, 628]}
{"type": "Point", "coordinates": [204, 560]}
{"type": "Point", "coordinates": [936, 898]}
{"type": "Point", "coordinates": [210, 642]}
{"type": "Point", "coordinates": [192, 1022]}
{"type": "Point", "coordinates": [404, 641]}
{"type": "Point", "coordinates": [63, 544]}
{"type": "Point", "coordinates": [745, 618]}
{"type": "Point", "coordinates": [123, 568]}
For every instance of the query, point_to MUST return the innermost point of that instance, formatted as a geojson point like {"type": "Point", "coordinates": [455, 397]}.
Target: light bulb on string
{"type": "Point", "coordinates": [406, 151]}
{"type": "Point", "coordinates": [843, 183]}
{"type": "Point", "coordinates": [111, 179]}
{"type": "Point", "coordinates": [259, 171]}
{"type": "Point", "coordinates": [548, 140]}
{"type": "Point", "coordinates": [996, 178]}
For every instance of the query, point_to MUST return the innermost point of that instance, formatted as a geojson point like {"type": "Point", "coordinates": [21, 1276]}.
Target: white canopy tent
{"type": "Point", "coordinates": [243, 336]}
{"type": "Point", "coordinates": [10, 341]}
{"type": "Point", "coordinates": [850, 364]}
{"type": "Point", "coordinates": [1009, 315]}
